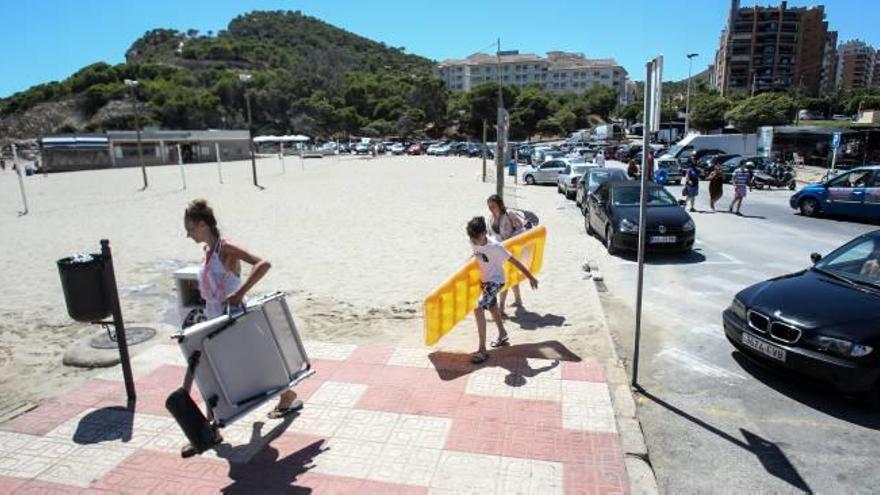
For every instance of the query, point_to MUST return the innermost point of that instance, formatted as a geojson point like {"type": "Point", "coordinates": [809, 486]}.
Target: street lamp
{"type": "Point", "coordinates": [132, 85]}
{"type": "Point", "coordinates": [245, 78]}
{"type": "Point", "coordinates": [687, 102]}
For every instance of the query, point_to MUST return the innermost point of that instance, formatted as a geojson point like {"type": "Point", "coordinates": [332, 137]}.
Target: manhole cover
{"type": "Point", "coordinates": [133, 335]}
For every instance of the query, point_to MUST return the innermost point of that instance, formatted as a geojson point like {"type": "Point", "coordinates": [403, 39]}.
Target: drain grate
{"type": "Point", "coordinates": [133, 335]}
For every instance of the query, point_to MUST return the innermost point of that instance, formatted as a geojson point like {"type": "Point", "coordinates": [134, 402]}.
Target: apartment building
{"type": "Point", "coordinates": [774, 49]}
{"type": "Point", "coordinates": [856, 65]}
{"type": "Point", "coordinates": [558, 72]}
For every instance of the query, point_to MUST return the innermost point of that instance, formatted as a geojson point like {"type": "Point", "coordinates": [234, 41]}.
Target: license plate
{"type": "Point", "coordinates": [763, 347]}
{"type": "Point", "coordinates": [662, 239]}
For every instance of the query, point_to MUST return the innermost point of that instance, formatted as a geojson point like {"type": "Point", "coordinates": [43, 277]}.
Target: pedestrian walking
{"type": "Point", "coordinates": [632, 170]}
{"type": "Point", "coordinates": [505, 224]}
{"type": "Point", "coordinates": [599, 159]}
{"type": "Point", "coordinates": [490, 256]}
{"type": "Point", "coordinates": [741, 178]}
{"type": "Point", "coordinates": [691, 185]}
{"type": "Point", "coordinates": [220, 281]}
{"type": "Point", "coordinates": [716, 185]}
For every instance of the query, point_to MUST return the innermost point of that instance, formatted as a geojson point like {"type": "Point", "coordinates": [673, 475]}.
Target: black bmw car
{"type": "Point", "coordinates": [822, 322]}
{"type": "Point", "coordinates": [613, 215]}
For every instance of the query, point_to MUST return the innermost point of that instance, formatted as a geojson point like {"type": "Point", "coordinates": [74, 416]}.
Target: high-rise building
{"type": "Point", "coordinates": [856, 65]}
{"type": "Point", "coordinates": [773, 49]}
{"type": "Point", "coordinates": [559, 72]}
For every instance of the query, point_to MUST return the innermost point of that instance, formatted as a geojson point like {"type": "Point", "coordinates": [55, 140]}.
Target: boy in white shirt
{"type": "Point", "coordinates": [491, 256]}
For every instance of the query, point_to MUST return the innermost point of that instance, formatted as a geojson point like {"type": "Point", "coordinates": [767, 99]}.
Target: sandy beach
{"type": "Point", "coordinates": [355, 242]}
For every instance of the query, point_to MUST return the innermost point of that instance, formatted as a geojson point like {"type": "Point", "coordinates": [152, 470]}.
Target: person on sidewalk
{"type": "Point", "coordinates": [741, 179]}
{"type": "Point", "coordinates": [691, 185]}
{"type": "Point", "coordinates": [632, 170]}
{"type": "Point", "coordinates": [220, 283]}
{"type": "Point", "coordinates": [716, 185]}
{"type": "Point", "coordinates": [504, 225]}
{"type": "Point", "coordinates": [490, 256]}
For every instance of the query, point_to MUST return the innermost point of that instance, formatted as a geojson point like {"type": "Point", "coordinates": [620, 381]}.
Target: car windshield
{"type": "Point", "coordinates": [579, 169]}
{"type": "Point", "coordinates": [629, 196]}
{"type": "Point", "coordinates": [858, 260]}
{"type": "Point", "coordinates": [674, 150]}
{"type": "Point", "coordinates": [600, 176]}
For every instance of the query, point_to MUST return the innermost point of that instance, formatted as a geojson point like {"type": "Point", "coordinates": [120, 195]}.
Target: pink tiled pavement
{"type": "Point", "coordinates": [431, 422]}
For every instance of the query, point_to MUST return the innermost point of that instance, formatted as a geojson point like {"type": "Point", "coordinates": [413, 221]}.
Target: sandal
{"type": "Point", "coordinates": [503, 341]}
{"type": "Point", "coordinates": [479, 357]}
{"type": "Point", "coordinates": [279, 413]}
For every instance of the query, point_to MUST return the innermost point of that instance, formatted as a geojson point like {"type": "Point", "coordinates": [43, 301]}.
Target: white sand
{"type": "Point", "coordinates": [356, 242]}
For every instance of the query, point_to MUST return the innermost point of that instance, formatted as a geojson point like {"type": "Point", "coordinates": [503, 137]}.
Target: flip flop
{"type": "Point", "coordinates": [479, 357]}
{"type": "Point", "coordinates": [504, 341]}
{"type": "Point", "coordinates": [278, 413]}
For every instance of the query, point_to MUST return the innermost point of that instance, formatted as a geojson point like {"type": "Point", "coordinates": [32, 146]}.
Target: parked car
{"type": "Point", "coordinates": [414, 149]}
{"type": "Point", "coordinates": [545, 173]}
{"type": "Point", "coordinates": [525, 153]}
{"type": "Point", "coordinates": [627, 152]}
{"type": "Point", "coordinates": [854, 193]}
{"type": "Point", "coordinates": [362, 149]}
{"type": "Point", "coordinates": [397, 149]}
{"type": "Point", "coordinates": [591, 180]}
{"type": "Point", "coordinates": [702, 153]}
{"type": "Point", "coordinates": [567, 181]}
{"type": "Point", "coordinates": [613, 214]}
{"type": "Point", "coordinates": [730, 165]}
{"type": "Point", "coordinates": [437, 148]}
{"type": "Point", "coordinates": [708, 162]}
{"type": "Point", "coordinates": [820, 322]}
{"type": "Point", "coordinates": [344, 148]}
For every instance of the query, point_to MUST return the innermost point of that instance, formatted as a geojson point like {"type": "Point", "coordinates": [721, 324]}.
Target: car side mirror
{"type": "Point", "coordinates": [815, 257]}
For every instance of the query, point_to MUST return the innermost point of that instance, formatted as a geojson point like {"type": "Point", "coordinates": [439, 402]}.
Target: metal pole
{"type": "Point", "coordinates": [137, 126]}
{"type": "Point", "coordinates": [687, 103]}
{"type": "Point", "coordinates": [247, 99]}
{"type": "Point", "coordinates": [180, 164]}
{"type": "Point", "coordinates": [302, 162]}
{"type": "Point", "coordinates": [281, 157]}
{"type": "Point", "coordinates": [219, 168]}
{"type": "Point", "coordinates": [499, 132]}
{"type": "Point", "coordinates": [20, 172]}
{"type": "Point", "coordinates": [113, 295]}
{"type": "Point", "coordinates": [516, 166]}
{"type": "Point", "coordinates": [484, 150]}
{"type": "Point", "coordinates": [643, 200]}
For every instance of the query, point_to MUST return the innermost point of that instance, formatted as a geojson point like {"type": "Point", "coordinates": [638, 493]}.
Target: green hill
{"type": "Point", "coordinates": [308, 77]}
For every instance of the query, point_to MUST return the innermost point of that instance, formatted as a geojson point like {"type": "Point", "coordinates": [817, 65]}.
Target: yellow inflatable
{"type": "Point", "coordinates": [451, 302]}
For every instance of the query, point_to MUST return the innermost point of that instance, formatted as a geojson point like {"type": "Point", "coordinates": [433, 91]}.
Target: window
{"type": "Point", "coordinates": [858, 178]}
{"type": "Point", "coordinates": [860, 260]}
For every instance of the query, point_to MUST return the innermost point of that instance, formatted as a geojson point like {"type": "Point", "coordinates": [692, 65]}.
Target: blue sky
{"type": "Point", "coordinates": [45, 40]}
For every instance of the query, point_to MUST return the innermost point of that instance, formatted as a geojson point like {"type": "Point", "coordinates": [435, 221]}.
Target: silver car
{"type": "Point", "coordinates": [545, 173]}
{"type": "Point", "coordinates": [566, 182]}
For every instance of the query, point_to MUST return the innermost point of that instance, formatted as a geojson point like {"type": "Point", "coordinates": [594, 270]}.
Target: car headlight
{"type": "Point", "coordinates": [628, 226]}
{"type": "Point", "coordinates": [688, 226]}
{"type": "Point", "coordinates": [841, 347]}
{"type": "Point", "coordinates": [738, 308]}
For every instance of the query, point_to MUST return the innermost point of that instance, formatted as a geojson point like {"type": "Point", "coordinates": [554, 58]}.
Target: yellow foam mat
{"type": "Point", "coordinates": [451, 302]}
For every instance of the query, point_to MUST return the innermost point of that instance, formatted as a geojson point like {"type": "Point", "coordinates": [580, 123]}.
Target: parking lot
{"type": "Point", "coordinates": [702, 401]}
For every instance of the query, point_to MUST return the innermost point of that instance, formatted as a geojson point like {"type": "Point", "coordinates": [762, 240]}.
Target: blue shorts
{"type": "Point", "coordinates": [489, 297]}
{"type": "Point", "coordinates": [691, 191]}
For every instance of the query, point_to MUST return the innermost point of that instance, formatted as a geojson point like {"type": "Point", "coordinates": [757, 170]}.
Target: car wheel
{"type": "Point", "coordinates": [558, 189]}
{"type": "Point", "coordinates": [609, 240]}
{"type": "Point", "coordinates": [569, 195]}
{"type": "Point", "coordinates": [588, 227]}
{"type": "Point", "coordinates": [759, 186]}
{"type": "Point", "coordinates": [792, 186]}
{"type": "Point", "coordinates": [809, 207]}
{"type": "Point", "coordinates": [530, 180]}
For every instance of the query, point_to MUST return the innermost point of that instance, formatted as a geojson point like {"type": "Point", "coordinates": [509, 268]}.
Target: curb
{"type": "Point", "coordinates": [639, 471]}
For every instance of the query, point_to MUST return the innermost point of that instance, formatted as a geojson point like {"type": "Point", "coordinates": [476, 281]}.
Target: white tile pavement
{"type": "Point", "coordinates": [338, 394]}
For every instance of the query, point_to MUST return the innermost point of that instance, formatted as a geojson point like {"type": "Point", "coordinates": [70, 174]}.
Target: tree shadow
{"type": "Point", "coordinates": [815, 396]}
{"type": "Point", "coordinates": [771, 457]}
{"type": "Point", "coordinates": [107, 424]}
{"type": "Point", "coordinates": [529, 320]}
{"type": "Point", "coordinates": [266, 471]}
{"type": "Point", "coordinates": [513, 358]}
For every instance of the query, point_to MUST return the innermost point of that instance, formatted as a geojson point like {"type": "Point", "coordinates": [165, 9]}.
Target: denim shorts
{"type": "Point", "coordinates": [489, 297]}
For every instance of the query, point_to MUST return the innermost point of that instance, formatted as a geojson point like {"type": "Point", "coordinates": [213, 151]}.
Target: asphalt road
{"type": "Point", "coordinates": [714, 422]}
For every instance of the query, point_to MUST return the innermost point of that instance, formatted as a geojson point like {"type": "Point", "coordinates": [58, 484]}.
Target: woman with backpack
{"type": "Point", "coordinates": [503, 225]}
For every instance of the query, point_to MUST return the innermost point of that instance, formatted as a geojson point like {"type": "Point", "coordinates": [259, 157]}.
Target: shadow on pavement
{"type": "Point", "coordinates": [691, 257]}
{"type": "Point", "coordinates": [771, 457]}
{"type": "Point", "coordinates": [814, 396]}
{"type": "Point", "coordinates": [513, 358]}
{"type": "Point", "coordinates": [529, 320]}
{"type": "Point", "coordinates": [266, 471]}
{"type": "Point", "coordinates": [107, 424]}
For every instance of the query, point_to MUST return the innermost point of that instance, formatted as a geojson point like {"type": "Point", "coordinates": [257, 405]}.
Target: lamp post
{"type": "Point", "coordinates": [245, 78]}
{"type": "Point", "coordinates": [687, 101]}
{"type": "Point", "coordinates": [132, 84]}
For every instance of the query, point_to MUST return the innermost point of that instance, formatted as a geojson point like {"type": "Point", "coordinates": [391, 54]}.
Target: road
{"type": "Point", "coordinates": [713, 421]}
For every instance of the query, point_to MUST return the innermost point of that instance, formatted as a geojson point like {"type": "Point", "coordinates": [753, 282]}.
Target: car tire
{"type": "Point", "coordinates": [609, 241]}
{"type": "Point", "coordinates": [809, 207]}
{"type": "Point", "coordinates": [558, 189]}
{"type": "Point", "coordinates": [587, 227]}
{"type": "Point", "coordinates": [758, 186]}
{"type": "Point", "coordinates": [792, 186]}
{"type": "Point", "coordinates": [530, 180]}
{"type": "Point", "coordinates": [569, 195]}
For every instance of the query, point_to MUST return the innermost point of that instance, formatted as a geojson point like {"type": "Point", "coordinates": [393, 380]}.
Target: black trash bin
{"type": "Point", "coordinates": [82, 281]}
